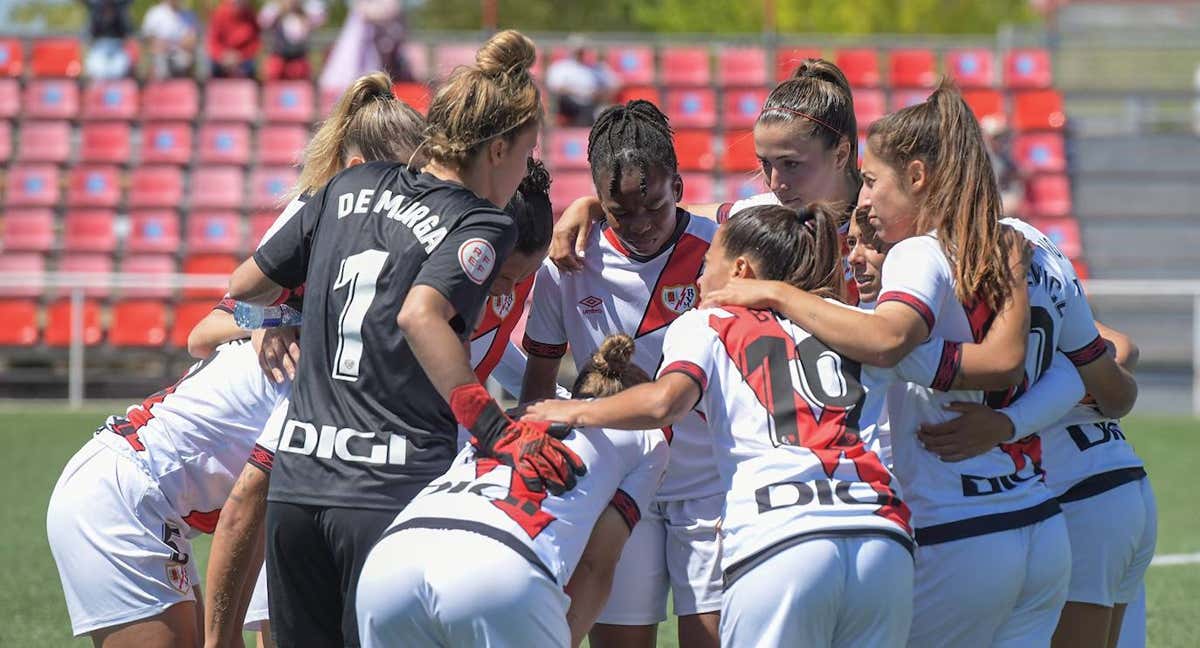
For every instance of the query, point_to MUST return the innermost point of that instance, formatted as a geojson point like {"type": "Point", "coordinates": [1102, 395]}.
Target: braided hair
{"type": "Point", "coordinates": [634, 135]}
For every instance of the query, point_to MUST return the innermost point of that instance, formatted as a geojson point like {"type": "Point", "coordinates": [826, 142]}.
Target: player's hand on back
{"type": "Point", "coordinates": [278, 351]}
{"type": "Point", "coordinates": [979, 429]}
{"type": "Point", "coordinates": [552, 409]}
{"type": "Point", "coordinates": [571, 234]}
{"type": "Point", "coordinates": [750, 293]}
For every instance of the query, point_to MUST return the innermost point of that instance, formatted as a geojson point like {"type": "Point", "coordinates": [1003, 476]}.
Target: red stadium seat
{"type": "Point", "coordinates": [1028, 68]}
{"type": "Point", "coordinates": [45, 142]}
{"type": "Point", "coordinates": [155, 186]}
{"type": "Point", "coordinates": [6, 143]}
{"type": "Point", "coordinates": [738, 154]}
{"type": "Point", "coordinates": [742, 67]}
{"type": "Point", "coordinates": [138, 323]}
{"type": "Point", "coordinates": [268, 185]}
{"type": "Point", "coordinates": [698, 188]}
{"type": "Point", "coordinates": [694, 148]}
{"type": "Point", "coordinates": [155, 266]}
{"type": "Point", "coordinates": [1035, 110]}
{"type": "Point", "coordinates": [58, 323]}
{"type": "Point", "coordinates": [224, 143]}
{"type": "Point", "coordinates": [217, 187]}
{"type": "Point", "coordinates": [111, 100]}
{"type": "Point", "coordinates": [208, 264]}
{"type": "Point", "coordinates": [259, 224]}
{"type": "Point", "coordinates": [90, 264]}
{"type": "Point", "coordinates": [861, 67]}
{"type": "Point", "coordinates": [740, 108]}
{"type": "Point", "coordinates": [741, 186]}
{"type": "Point", "coordinates": [10, 98]}
{"type": "Point", "coordinates": [94, 186]}
{"type": "Point", "coordinates": [26, 263]}
{"type": "Point", "coordinates": [1040, 153]}
{"type": "Point", "coordinates": [912, 68]}
{"type": "Point", "coordinates": [281, 144]}
{"type": "Point", "coordinates": [971, 68]}
{"type": "Point", "coordinates": [90, 230]}
{"type": "Point", "coordinates": [417, 95]}
{"type": "Point", "coordinates": [28, 230]}
{"type": "Point", "coordinates": [55, 57]}
{"type": "Point", "coordinates": [568, 149]}
{"type": "Point", "coordinates": [634, 64]}
{"type": "Point", "coordinates": [693, 108]}
{"type": "Point", "coordinates": [648, 93]}
{"type": "Point", "coordinates": [289, 102]}
{"type": "Point", "coordinates": [219, 232]}
{"type": "Point", "coordinates": [32, 185]}
{"type": "Point", "coordinates": [20, 322]}
{"type": "Point", "coordinates": [985, 103]}
{"type": "Point", "coordinates": [448, 56]}
{"type": "Point", "coordinates": [105, 142]}
{"type": "Point", "coordinates": [905, 98]}
{"type": "Point", "coordinates": [568, 186]}
{"type": "Point", "coordinates": [787, 59]}
{"type": "Point", "coordinates": [166, 143]}
{"type": "Point", "coordinates": [51, 99]}
{"type": "Point", "coordinates": [231, 100]}
{"type": "Point", "coordinates": [153, 231]}
{"type": "Point", "coordinates": [868, 107]}
{"type": "Point", "coordinates": [684, 66]}
{"type": "Point", "coordinates": [1063, 232]}
{"type": "Point", "coordinates": [187, 315]}
{"type": "Point", "coordinates": [1049, 196]}
{"type": "Point", "coordinates": [12, 57]}
{"type": "Point", "coordinates": [172, 100]}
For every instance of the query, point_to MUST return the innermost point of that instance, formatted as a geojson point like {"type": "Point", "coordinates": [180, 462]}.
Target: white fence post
{"type": "Point", "coordinates": [75, 357]}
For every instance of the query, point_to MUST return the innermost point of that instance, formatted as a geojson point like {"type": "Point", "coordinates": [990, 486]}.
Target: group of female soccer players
{"type": "Point", "coordinates": [862, 409]}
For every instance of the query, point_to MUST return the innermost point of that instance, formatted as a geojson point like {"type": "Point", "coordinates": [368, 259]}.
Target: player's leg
{"type": "Point", "coordinates": [693, 554]}
{"type": "Point", "coordinates": [1132, 591]}
{"type": "Point", "coordinates": [791, 598]}
{"type": "Point", "coordinates": [638, 602]}
{"type": "Point", "coordinates": [305, 602]}
{"type": "Point", "coordinates": [392, 600]}
{"type": "Point", "coordinates": [176, 627]}
{"type": "Point", "coordinates": [877, 607]}
{"type": "Point", "coordinates": [352, 533]}
{"type": "Point", "coordinates": [1047, 575]}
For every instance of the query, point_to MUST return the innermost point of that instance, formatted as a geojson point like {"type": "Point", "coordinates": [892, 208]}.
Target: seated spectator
{"type": "Point", "coordinates": [582, 85]}
{"type": "Point", "coordinates": [1008, 176]}
{"type": "Point", "coordinates": [108, 25]}
{"type": "Point", "coordinates": [386, 21]}
{"type": "Point", "coordinates": [289, 25]}
{"type": "Point", "coordinates": [170, 32]}
{"type": "Point", "coordinates": [233, 39]}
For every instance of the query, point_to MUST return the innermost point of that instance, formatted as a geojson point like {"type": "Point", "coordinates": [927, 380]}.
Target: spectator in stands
{"type": "Point", "coordinates": [371, 38]}
{"type": "Point", "coordinates": [999, 145]}
{"type": "Point", "coordinates": [108, 25]}
{"type": "Point", "coordinates": [233, 39]}
{"type": "Point", "coordinates": [289, 25]}
{"type": "Point", "coordinates": [386, 20]}
{"type": "Point", "coordinates": [170, 31]}
{"type": "Point", "coordinates": [581, 85]}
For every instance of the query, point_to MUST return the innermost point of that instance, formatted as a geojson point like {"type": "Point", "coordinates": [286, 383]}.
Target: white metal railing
{"type": "Point", "coordinates": [75, 284]}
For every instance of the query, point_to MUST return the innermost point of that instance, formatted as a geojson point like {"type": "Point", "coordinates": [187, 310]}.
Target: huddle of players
{"type": "Point", "coordinates": [807, 438]}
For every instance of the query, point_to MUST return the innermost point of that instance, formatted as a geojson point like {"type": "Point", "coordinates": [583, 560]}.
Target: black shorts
{"type": "Point", "coordinates": [314, 555]}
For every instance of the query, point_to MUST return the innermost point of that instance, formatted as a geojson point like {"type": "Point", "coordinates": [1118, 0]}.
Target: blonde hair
{"type": "Point", "coordinates": [369, 120]}
{"type": "Point", "coordinates": [609, 370]}
{"type": "Point", "coordinates": [495, 97]}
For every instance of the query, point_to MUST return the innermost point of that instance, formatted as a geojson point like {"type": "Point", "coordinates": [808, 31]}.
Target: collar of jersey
{"type": "Point", "coordinates": [682, 219]}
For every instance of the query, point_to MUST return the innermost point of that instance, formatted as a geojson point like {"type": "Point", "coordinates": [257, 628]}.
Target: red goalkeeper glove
{"type": "Point", "coordinates": [542, 461]}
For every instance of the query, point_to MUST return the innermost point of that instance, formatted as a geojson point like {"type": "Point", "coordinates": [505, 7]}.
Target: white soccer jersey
{"type": "Point", "coordinates": [619, 292]}
{"type": "Point", "coordinates": [196, 435]}
{"type": "Point", "coordinates": [624, 468]}
{"type": "Point", "coordinates": [792, 423]}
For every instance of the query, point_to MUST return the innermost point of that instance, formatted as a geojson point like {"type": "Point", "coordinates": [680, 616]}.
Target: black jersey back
{"type": "Point", "coordinates": [366, 428]}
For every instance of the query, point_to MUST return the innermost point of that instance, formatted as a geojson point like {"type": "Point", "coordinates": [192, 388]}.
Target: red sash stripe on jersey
{"type": "Point", "coordinates": [689, 369]}
{"type": "Point", "coordinates": [669, 433]}
{"type": "Point", "coordinates": [543, 349]}
{"type": "Point", "coordinates": [912, 302]}
{"type": "Point", "coordinates": [1089, 353]}
{"type": "Point", "coordinates": [262, 458]}
{"type": "Point", "coordinates": [624, 504]}
{"type": "Point", "coordinates": [141, 415]}
{"type": "Point", "coordinates": [128, 432]}
{"type": "Point", "coordinates": [503, 327]}
{"type": "Point", "coordinates": [980, 316]}
{"type": "Point", "coordinates": [522, 505]}
{"type": "Point", "coordinates": [203, 521]}
{"type": "Point", "coordinates": [682, 270]}
{"type": "Point", "coordinates": [948, 366]}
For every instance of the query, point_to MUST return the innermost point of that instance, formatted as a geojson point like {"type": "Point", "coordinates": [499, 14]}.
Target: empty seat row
{"type": "Point", "coordinates": [129, 323]}
{"type": "Point", "coordinates": [160, 266]}
{"type": "Point", "coordinates": [157, 231]}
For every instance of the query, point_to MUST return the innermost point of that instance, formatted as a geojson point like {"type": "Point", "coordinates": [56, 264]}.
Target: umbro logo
{"type": "Point", "coordinates": [590, 305]}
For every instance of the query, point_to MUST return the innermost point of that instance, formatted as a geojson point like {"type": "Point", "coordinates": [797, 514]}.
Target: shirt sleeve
{"type": "Point", "coordinates": [1048, 400]}
{"type": "Point", "coordinates": [262, 455]}
{"type": "Point", "coordinates": [917, 275]}
{"type": "Point", "coordinates": [688, 346]}
{"type": "Point", "coordinates": [283, 254]}
{"type": "Point", "coordinates": [545, 331]}
{"type": "Point", "coordinates": [932, 364]}
{"type": "Point", "coordinates": [1079, 339]}
{"type": "Point", "coordinates": [464, 265]}
{"type": "Point", "coordinates": [637, 489]}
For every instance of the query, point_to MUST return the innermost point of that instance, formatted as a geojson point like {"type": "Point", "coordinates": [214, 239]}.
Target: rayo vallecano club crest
{"type": "Point", "coordinates": [679, 298]}
{"type": "Point", "coordinates": [502, 305]}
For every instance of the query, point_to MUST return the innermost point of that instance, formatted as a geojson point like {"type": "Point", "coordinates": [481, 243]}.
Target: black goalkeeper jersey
{"type": "Point", "coordinates": [366, 428]}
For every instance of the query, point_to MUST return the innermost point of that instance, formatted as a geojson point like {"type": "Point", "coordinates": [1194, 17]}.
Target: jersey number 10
{"type": "Point", "coordinates": [359, 274]}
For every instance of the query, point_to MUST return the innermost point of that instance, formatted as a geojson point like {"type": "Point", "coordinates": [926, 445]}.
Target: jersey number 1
{"type": "Point", "coordinates": [358, 272]}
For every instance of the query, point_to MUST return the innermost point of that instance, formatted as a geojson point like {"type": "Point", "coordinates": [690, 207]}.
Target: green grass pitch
{"type": "Point", "coordinates": [40, 440]}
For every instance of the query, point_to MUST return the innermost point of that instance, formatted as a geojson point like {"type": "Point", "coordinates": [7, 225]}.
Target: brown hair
{"type": "Point", "coordinates": [609, 370]}
{"type": "Point", "coordinates": [368, 119]}
{"type": "Point", "coordinates": [495, 97]}
{"type": "Point", "coordinates": [961, 200]}
{"type": "Point", "coordinates": [798, 247]}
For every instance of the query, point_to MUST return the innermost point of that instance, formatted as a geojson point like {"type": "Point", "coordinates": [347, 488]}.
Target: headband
{"type": "Point", "coordinates": [806, 116]}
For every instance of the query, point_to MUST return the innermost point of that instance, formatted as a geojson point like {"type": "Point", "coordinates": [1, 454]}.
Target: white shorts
{"type": "Point", "coordinates": [1000, 589]}
{"type": "Point", "coordinates": [825, 592]}
{"type": "Point", "coordinates": [676, 546]}
{"type": "Point", "coordinates": [118, 544]}
{"type": "Point", "coordinates": [1109, 561]}
{"type": "Point", "coordinates": [435, 587]}
{"type": "Point", "coordinates": [257, 612]}
{"type": "Point", "coordinates": [1133, 627]}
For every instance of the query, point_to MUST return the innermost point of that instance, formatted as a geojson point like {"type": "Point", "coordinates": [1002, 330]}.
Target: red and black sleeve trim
{"type": "Point", "coordinates": [948, 366]}
{"type": "Point", "coordinates": [1089, 353]}
{"type": "Point", "coordinates": [723, 212]}
{"type": "Point", "coordinates": [689, 369]}
{"type": "Point", "coordinates": [542, 349]}
{"type": "Point", "coordinates": [624, 504]}
{"type": "Point", "coordinates": [262, 458]}
{"type": "Point", "coordinates": [912, 302]}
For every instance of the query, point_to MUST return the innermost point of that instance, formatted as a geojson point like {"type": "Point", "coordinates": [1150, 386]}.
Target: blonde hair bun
{"type": "Point", "coordinates": [508, 52]}
{"type": "Point", "coordinates": [613, 356]}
